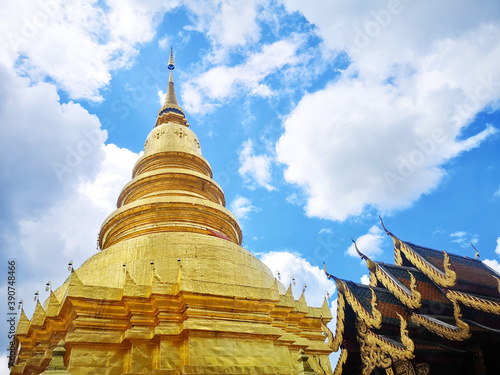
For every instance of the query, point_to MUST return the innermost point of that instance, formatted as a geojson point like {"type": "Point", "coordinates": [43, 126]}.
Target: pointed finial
{"type": "Point", "coordinates": [477, 252]}
{"type": "Point", "coordinates": [383, 226]}
{"type": "Point", "coordinates": [326, 273]}
{"type": "Point", "coordinates": [171, 64]}
{"type": "Point", "coordinates": [370, 263]}
{"type": "Point", "coordinates": [363, 256]}
{"type": "Point", "coordinates": [170, 110]}
{"type": "Point", "coordinates": [56, 365]}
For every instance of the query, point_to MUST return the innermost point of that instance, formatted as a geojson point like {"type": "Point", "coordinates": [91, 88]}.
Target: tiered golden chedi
{"type": "Point", "coordinates": [172, 291]}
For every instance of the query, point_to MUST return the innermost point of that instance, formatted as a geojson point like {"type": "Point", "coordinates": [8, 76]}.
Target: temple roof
{"type": "Point", "coordinates": [428, 290]}
{"type": "Point", "coordinates": [472, 275]}
{"type": "Point", "coordinates": [451, 304]}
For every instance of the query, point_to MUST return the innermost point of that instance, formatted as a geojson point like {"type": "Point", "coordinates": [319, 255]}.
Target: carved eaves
{"type": "Point", "coordinates": [459, 332]}
{"type": "Point", "coordinates": [445, 279]}
{"type": "Point", "coordinates": [409, 297]}
{"type": "Point", "coordinates": [477, 303]}
{"type": "Point", "coordinates": [334, 341]}
{"type": "Point", "coordinates": [377, 351]}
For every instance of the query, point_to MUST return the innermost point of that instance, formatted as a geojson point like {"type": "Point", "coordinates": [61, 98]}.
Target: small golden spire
{"type": "Point", "coordinates": [170, 104]}
{"type": "Point", "coordinates": [56, 365]}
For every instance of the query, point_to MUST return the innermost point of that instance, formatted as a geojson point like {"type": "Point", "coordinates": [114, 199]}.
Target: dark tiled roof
{"type": "Point", "coordinates": [472, 274]}
{"type": "Point", "coordinates": [425, 286]}
{"type": "Point", "coordinates": [362, 293]}
{"type": "Point", "coordinates": [388, 305]}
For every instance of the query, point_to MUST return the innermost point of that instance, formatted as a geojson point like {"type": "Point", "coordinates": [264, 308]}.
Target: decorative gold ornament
{"type": "Point", "coordinates": [334, 341]}
{"type": "Point", "coordinates": [398, 258]}
{"type": "Point", "coordinates": [498, 280]}
{"type": "Point", "coordinates": [444, 279]}
{"type": "Point", "coordinates": [423, 369]}
{"type": "Point", "coordinates": [375, 351]}
{"type": "Point", "coordinates": [374, 318]}
{"type": "Point", "coordinates": [460, 332]}
{"type": "Point", "coordinates": [403, 367]}
{"type": "Point", "coordinates": [409, 297]}
{"type": "Point", "coordinates": [474, 302]}
{"type": "Point", "coordinates": [340, 364]}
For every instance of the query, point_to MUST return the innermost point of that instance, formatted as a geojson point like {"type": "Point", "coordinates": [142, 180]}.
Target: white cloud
{"type": "Point", "coordinates": [77, 44]}
{"type": "Point", "coordinates": [68, 230]}
{"type": "Point", "coordinates": [163, 43]}
{"type": "Point", "coordinates": [4, 369]}
{"type": "Point", "coordinates": [293, 265]}
{"type": "Point", "coordinates": [497, 193]}
{"type": "Point", "coordinates": [334, 357]}
{"type": "Point", "coordinates": [383, 25]}
{"type": "Point", "coordinates": [294, 199]}
{"type": "Point", "coordinates": [464, 239]}
{"type": "Point", "coordinates": [369, 244]}
{"type": "Point", "coordinates": [45, 147]}
{"type": "Point", "coordinates": [227, 24]}
{"type": "Point", "coordinates": [384, 131]}
{"type": "Point", "coordinates": [493, 263]}
{"type": "Point", "coordinates": [161, 97]}
{"type": "Point", "coordinates": [365, 279]}
{"type": "Point", "coordinates": [241, 207]}
{"type": "Point", "coordinates": [207, 90]}
{"type": "Point", "coordinates": [497, 249]}
{"type": "Point", "coordinates": [326, 230]}
{"type": "Point", "coordinates": [255, 169]}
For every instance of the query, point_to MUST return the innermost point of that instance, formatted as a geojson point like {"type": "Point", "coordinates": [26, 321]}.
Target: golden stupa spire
{"type": "Point", "coordinates": [170, 105]}
{"type": "Point", "coordinates": [172, 189]}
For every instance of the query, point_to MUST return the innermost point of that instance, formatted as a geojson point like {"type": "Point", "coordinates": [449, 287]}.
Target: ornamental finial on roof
{"type": "Point", "coordinates": [363, 256]}
{"type": "Point", "coordinates": [370, 263]}
{"type": "Point", "coordinates": [383, 226]}
{"type": "Point", "coordinates": [477, 252]}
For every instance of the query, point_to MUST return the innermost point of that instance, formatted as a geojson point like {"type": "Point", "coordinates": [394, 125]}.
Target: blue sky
{"type": "Point", "coordinates": [316, 118]}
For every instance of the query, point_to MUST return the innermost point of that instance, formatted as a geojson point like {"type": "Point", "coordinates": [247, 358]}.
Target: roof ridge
{"type": "Point", "coordinates": [443, 251]}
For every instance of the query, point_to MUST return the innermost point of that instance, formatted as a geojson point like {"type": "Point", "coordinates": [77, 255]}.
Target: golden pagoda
{"type": "Point", "coordinates": [172, 291]}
